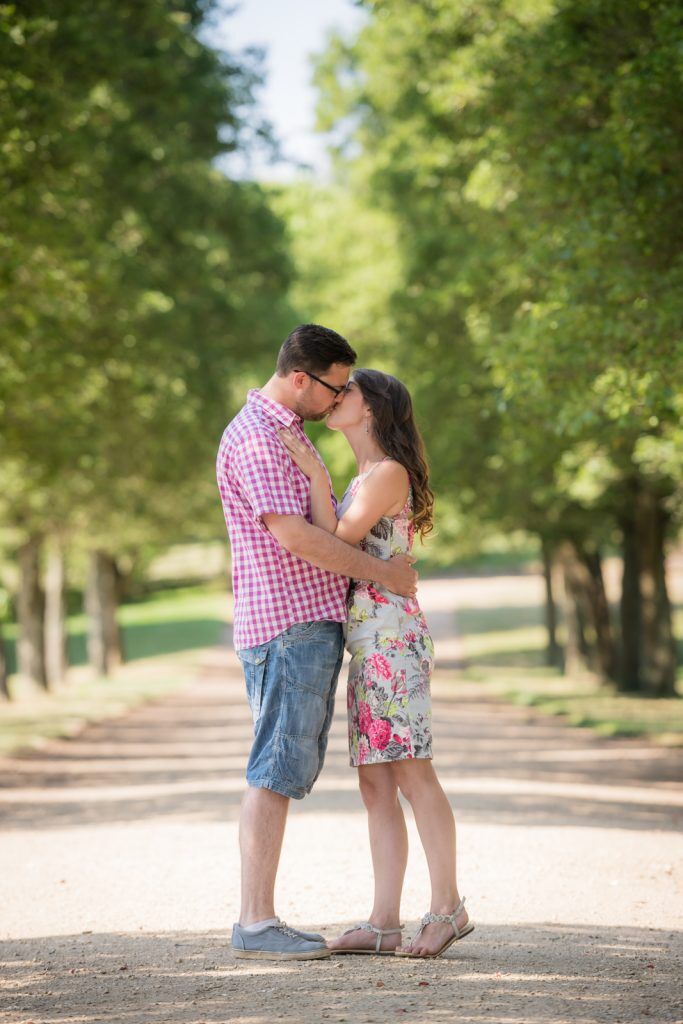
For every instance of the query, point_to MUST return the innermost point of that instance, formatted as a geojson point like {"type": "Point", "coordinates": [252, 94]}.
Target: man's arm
{"type": "Point", "coordinates": [327, 552]}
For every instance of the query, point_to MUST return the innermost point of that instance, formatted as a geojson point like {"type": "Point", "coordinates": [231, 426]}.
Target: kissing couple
{"type": "Point", "coordinates": [310, 576]}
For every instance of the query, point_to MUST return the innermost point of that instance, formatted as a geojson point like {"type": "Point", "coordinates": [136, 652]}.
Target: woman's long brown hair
{"type": "Point", "coordinates": [396, 432]}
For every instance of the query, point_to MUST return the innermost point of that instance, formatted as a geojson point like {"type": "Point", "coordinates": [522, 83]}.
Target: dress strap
{"type": "Point", "coordinates": [366, 474]}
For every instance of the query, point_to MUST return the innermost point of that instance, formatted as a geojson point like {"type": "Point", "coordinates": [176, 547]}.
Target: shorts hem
{"type": "Point", "coordinates": [277, 786]}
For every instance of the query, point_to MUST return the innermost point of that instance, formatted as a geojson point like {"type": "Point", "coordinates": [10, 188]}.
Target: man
{"type": "Point", "coordinates": [290, 581]}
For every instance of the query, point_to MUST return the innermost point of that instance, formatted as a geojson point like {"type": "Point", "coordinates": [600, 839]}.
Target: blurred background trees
{"type": "Point", "coordinates": [530, 156]}
{"type": "Point", "coordinates": [137, 282]}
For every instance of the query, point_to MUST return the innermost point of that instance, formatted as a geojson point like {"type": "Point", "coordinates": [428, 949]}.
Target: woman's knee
{"type": "Point", "coordinates": [377, 786]}
{"type": "Point", "coordinates": [415, 778]}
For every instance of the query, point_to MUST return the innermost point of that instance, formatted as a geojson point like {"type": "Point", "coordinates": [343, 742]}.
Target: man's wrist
{"type": "Point", "coordinates": [382, 573]}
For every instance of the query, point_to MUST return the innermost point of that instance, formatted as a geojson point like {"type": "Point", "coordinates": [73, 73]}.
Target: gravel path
{"type": "Point", "coordinates": [119, 871]}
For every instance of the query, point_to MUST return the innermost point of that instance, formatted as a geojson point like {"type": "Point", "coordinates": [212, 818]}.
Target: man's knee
{"type": "Point", "coordinates": [263, 807]}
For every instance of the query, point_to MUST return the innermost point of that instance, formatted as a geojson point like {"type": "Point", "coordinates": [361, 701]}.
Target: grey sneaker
{"type": "Point", "coordinates": [277, 942]}
{"type": "Point", "coordinates": [311, 936]}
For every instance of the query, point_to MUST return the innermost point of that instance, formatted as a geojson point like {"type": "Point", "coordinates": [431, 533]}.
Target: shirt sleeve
{"type": "Point", "coordinates": [262, 470]}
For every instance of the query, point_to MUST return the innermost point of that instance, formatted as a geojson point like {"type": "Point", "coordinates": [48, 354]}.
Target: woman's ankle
{"type": "Point", "coordinates": [384, 921]}
{"type": "Point", "coordinates": [446, 905]}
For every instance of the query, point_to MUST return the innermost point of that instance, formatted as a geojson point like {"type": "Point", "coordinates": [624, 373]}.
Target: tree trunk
{"type": "Point", "coordinates": [658, 668]}
{"type": "Point", "coordinates": [574, 639]}
{"type": "Point", "coordinates": [31, 647]}
{"type": "Point", "coordinates": [105, 649]}
{"type": "Point", "coordinates": [55, 616]}
{"type": "Point", "coordinates": [4, 688]}
{"type": "Point", "coordinates": [553, 651]}
{"type": "Point", "coordinates": [628, 680]}
{"type": "Point", "coordinates": [605, 647]}
{"type": "Point", "coordinates": [588, 625]}
{"type": "Point", "coordinates": [114, 635]}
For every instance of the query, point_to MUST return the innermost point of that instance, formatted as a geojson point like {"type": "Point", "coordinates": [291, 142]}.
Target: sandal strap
{"type": "Point", "coordinates": [430, 918]}
{"type": "Point", "coordinates": [365, 926]}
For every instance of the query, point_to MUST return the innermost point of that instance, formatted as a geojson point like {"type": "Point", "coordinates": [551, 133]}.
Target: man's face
{"type": "Point", "coordinates": [315, 398]}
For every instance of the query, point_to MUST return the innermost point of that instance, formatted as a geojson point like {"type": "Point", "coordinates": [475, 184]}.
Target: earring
{"type": "Point", "coordinates": [367, 426]}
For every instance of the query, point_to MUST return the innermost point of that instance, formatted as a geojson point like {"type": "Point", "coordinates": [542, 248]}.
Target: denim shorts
{"type": "Point", "coordinates": [291, 683]}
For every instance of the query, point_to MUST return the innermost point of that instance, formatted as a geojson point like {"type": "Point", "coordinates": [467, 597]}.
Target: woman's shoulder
{"type": "Point", "coordinates": [389, 470]}
{"type": "Point", "coordinates": [391, 478]}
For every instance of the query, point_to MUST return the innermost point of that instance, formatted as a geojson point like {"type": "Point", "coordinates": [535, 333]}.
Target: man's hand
{"type": "Point", "coordinates": [400, 577]}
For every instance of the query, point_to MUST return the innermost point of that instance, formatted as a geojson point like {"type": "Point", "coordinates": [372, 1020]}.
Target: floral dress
{"type": "Point", "coordinates": [392, 654]}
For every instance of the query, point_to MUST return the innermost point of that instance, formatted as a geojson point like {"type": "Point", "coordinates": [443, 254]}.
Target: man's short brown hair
{"type": "Point", "coordinates": [314, 348]}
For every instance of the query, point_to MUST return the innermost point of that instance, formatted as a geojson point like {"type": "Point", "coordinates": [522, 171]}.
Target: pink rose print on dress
{"type": "Point", "coordinates": [364, 716]}
{"type": "Point", "coordinates": [410, 606]}
{"type": "Point", "coordinates": [376, 596]}
{"type": "Point", "coordinates": [363, 750]}
{"type": "Point", "coordinates": [410, 636]}
{"type": "Point", "coordinates": [381, 665]}
{"type": "Point", "coordinates": [379, 733]}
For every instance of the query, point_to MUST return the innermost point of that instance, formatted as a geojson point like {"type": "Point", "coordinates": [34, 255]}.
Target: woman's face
{"type": "Point", "coordinates": [350, 411]}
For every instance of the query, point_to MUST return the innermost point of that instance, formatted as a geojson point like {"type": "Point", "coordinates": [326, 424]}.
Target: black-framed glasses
{"type": "Point", "coordinates": [331, 387]}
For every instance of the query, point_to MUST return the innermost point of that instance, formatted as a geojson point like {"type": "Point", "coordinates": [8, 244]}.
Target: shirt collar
{"type": "Point", "coordinates": [272, 408]}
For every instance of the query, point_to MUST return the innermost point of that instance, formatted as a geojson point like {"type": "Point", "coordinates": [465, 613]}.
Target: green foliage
{"type": "Point", "coordinates": [530, 156]}
{"type": "Point", "coordinates": [347, 266]}
{"type": "Point", "coordinates": [137, 280]}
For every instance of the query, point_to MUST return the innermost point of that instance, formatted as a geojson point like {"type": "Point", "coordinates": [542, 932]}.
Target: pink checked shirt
{"type": "Point", "coordinates": [273, 589]}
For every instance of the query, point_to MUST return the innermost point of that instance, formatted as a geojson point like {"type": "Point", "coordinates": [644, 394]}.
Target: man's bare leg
{"type": "Point", "coordinates": [262, 827]}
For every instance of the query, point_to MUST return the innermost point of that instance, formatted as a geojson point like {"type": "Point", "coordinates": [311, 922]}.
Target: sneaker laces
{"type": "Point", "coordinates": [282, 927]}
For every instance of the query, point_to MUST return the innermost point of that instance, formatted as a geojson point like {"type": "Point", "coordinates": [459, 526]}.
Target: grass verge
{"type": "Point", "coordinates": [509, 663]}
{"type": "Point", "coordinates": [164, 638]}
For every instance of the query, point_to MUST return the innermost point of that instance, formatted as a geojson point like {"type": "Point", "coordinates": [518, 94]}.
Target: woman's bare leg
{"type": "Point", "coordinates": [419, 784]}
{"type": "Point", "coordinates": [389, 846]}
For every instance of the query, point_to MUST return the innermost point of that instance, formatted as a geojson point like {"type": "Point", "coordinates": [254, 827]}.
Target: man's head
{"type": "Point", "coordinates": [314, 362]}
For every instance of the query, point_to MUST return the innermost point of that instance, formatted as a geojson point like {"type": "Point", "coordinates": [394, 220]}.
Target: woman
{"type": "Point", "coordinates": [391, 651]}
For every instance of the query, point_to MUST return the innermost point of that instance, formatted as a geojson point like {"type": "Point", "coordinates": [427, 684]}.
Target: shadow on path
{"type": "Point", "coordinates": [497, 974]}
{"type": "Point", "coordinates": [184, 757]}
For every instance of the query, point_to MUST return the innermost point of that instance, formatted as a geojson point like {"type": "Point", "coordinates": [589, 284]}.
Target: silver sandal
{"type": "Point", "coordinates": [379, 932]}
{"type": "Point", "coordinates": [458, 933]}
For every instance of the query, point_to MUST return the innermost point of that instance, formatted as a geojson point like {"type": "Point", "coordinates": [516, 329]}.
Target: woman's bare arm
{"type": "Point", "coordinates": [384, 491]}
{"type": "Point", "coordinates": [320, 548]}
